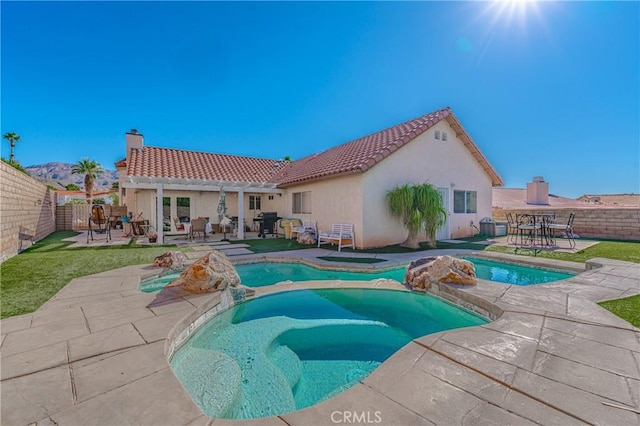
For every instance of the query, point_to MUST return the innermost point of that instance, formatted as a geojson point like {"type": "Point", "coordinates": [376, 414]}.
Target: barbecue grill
{"type": "Point", "coordinates": [267, 223]}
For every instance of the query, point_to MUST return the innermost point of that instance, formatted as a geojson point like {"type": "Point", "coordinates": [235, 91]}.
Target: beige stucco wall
{"type": "Point", "coordinates": [446, 164]}
{"type": "Point", "coordinates": [616, 223]}
{"type": "Point", "coordinates": [203, 203]}
{"type": "Point", "coordinates": [25, 205]}
{"type": "Point", "coordinates": [337, 200]}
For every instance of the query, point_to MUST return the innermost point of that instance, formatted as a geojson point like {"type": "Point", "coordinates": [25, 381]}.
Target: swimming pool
{"type": "Point", "coordinates": [268, 273]}
{"type": "Point", "coordinates": [290, 350]}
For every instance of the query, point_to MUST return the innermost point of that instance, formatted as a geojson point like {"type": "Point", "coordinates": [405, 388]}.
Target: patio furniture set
{"type": "Point", "coordinates": [538, 230]}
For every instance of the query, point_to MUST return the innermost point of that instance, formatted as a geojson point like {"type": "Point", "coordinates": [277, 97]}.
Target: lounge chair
{"type": "Point", "coordinates": [341, 233]}
{"type": "Point", "coordinates": [98, 219]}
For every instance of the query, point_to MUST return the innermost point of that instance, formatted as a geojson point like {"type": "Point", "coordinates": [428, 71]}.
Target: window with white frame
{"type": "Point", "coordinates": [302, 202]}
{"type": "Point", "coordinates": [465, 201]}
{"type": "Point", "coordinates": [255, 202]}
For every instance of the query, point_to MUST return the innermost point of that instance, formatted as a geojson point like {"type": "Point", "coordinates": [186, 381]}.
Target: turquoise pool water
{"type": "Point", "coordinates": [515, 274]}
{"type": "Point", "coordinates": [287, 351]}
{"type": "Point", "coordinates": [265, 273]}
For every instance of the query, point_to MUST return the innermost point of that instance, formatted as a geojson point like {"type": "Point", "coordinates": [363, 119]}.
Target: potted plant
{"type": "Point", "coordinates": [153, 236]}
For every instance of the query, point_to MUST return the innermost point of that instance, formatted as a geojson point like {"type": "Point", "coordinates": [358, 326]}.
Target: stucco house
{"type": "Point", "coordinates": [344, 184]}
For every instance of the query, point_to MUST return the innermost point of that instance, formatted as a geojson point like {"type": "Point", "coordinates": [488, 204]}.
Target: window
{"type": "Point", "coordinates": [437, 134]}
{"type": "Point", "coordinates": [444, 136]}
{"type": "Point", "coordinates": [465, 201]}
{"type": "Point", "coordinates": [166, 214]}
{"type": "Point", "coordinates": [302, 202]}
{"type": "Point", "coordinates": [255, 202]}
{"type": "Point", "coordinates": [183, 209]}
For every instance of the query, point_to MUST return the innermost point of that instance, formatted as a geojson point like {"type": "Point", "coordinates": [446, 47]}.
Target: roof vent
{"type": "Point", "coordinates": [538, 179]}
{"type": "Point", "coordinates": [134, 131]}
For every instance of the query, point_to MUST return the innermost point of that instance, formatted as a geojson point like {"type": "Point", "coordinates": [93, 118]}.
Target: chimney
{"type": "Point", "coordinates": [538, 191]}
{"type": "Point", "coordinates": [134, 141]}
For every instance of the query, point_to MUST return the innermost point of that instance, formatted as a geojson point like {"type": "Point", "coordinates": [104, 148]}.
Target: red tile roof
{"type": "Point", "coordinates": [352, 157]}
{"type": "Point", "coordinates": [516, 199]}
{"type": "Point", "coordinates": [174, 163]}
{"type": "Point", "coordinates": [361, 154]}
{"type": "Point", "coordinates": [121, 163]}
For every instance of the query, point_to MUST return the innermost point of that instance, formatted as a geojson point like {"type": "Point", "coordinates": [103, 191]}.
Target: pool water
{"type": "Point", "coordinates": [515, 274]}
{"type": "Point", "coordinates": [287, 351]}
{"type": "Point", "coordinates": [268, 273]}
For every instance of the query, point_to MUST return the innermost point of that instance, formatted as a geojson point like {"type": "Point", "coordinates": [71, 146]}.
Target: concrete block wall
{"type": "Point", "coordinates": [26, 205]}
{"type": "Point", "coordinates": [620, 223]}
{"type": "Point", "coordinates": [75, 217]}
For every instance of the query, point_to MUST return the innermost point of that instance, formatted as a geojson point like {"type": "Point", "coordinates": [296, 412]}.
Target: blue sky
{"type": "Point", "coordinates": [544, 88]}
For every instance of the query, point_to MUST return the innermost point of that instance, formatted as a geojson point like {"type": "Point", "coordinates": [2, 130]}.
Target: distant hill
{"type": "Point", "coordinates": [59, 175]}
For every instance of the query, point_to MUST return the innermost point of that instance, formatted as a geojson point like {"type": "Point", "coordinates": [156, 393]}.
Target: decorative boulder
{"type": "Point", "coordinates": [212, 272]}
{"type": "Point", "coordinates": [170, 259]}
{"type": "Point", "coordinates": [306, 238]}
{"type": "Point", "coordinates": [424, 272]}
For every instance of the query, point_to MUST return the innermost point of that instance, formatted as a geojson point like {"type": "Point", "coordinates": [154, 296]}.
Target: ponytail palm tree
{"type": "Point", "coordinates": [419, 207]}
{"type": "Point", "coordinates": [90, 169]}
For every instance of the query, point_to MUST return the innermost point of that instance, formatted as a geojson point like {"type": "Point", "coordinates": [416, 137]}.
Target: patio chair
{"type": "Point", "coordinates": [199, 226]}
{"type": "Point", "coordinates": [527, 228]}
{"type": "Point", "coordinates": [341, 233]}
{"type": "Point", "coordinates": [307, 226]}
{"type": "Point", "coordinates": [567, 229]}
{"type": "Point", "coordinates": [512, 229]}
{"type": "Point", "coordinates": [179, 225]}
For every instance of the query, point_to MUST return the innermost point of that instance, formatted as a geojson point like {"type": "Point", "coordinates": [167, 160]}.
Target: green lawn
{"type": "Point", "coordinates": [628, 251]}
{"type": "Point", "coordinates": [627, 308]}
{"type": "Point", "coordinates": [271, 244]}
{"type": "Point", "coordinates": [35, 275]}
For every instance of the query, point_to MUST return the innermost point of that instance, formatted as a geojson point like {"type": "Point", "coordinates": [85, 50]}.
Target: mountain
{"type": "Point", "coordinates": [59, 175]}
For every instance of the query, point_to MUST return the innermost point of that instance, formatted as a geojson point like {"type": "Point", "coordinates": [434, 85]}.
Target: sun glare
{"type": "Point", "coordinates": [513, 9]}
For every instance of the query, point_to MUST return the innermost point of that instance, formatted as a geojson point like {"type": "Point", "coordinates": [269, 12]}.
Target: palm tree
{"type": "Point", "coordinates": [12, 138]}
{"type": "Point", "coordinates": [418, 207]}
{"type": "Point", "coordinates": [90, 169]}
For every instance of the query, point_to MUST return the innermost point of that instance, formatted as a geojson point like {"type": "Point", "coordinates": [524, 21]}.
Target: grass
{"type": "Point", "coordinates": [269, 244]}
{"type": "Point", "coordinates": [38, 273]}
{"type": "Point", "coordinates": [618, 250]}
{"type": "Point", "coordinates": [628, 308]}
{"type": "Point", "coordinates": [351, 259]}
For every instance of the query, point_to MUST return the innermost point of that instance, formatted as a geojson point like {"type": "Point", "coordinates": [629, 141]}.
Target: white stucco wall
{"type": "Point", "coordinates": [337, 200]}
{"type": "Point", "coordinates": [425, 159]}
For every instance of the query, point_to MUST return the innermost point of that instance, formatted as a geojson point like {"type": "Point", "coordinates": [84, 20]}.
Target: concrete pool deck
{"type": "Point", "coordinates": [96, 354]}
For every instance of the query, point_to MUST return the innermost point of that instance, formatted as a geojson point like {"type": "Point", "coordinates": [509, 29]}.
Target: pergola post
{"type": "Point", "coordinates": [240, 235]}
{"type": "Point", "coordinates": [159, 214]}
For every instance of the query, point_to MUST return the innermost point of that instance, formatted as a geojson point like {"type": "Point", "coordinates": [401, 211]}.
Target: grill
{"type": "Point", "coordinates": [267, 223]}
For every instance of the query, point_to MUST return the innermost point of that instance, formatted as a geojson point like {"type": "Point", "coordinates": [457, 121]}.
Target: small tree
{"type": "Point", "coordinates": [99, 201]}
{"type": "Point", "coordinates": [72, 187]}
{"type": "Point", "coordinates": [115, 185]}
{"type": "Point", "coordinates": [419, 207]}
{"type": "Point", "coordinates": [90, 169]}
{"type": "Point", "coordinates": [12, 138]}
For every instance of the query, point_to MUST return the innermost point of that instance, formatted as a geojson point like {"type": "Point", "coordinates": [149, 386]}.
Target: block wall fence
{"type": "Point", "coordinates": [26, 206]}
{"type": "Point", "coordinates": [621, 223]}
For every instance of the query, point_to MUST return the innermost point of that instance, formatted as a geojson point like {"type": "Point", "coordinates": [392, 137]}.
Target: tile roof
{"type": "Point", "coordinates": [121, 163]}
{"type": "Point", "coordinates": [174, 163]}
{"type": "Point", "coordinates": [632, 200]}
{"type": "Point", "coordinates": [361, 154]}
{"type": "Point", "coordinates": [516, 198]}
